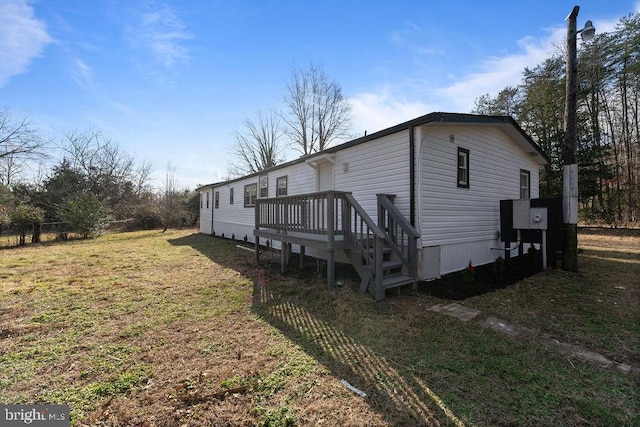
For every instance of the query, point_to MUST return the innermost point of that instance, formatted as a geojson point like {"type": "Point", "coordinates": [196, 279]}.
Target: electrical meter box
{"type": "Point", "coordinates": [521, 218]}
{"type": "Point", "coordinates": [538, 218]}
{"type": "Point", "coordinates": [527, 218]}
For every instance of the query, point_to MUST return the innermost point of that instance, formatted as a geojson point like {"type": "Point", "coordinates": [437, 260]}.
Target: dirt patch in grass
{"type": "Point", "coordinates": [154, 329]}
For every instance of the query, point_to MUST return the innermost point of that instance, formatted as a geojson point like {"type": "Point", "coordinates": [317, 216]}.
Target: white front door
{"type": "Point", "coordinates": [325, 176]}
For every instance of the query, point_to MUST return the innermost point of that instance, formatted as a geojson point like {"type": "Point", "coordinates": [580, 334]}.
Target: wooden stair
{"type": "Point", "coordinates": [393, 270]}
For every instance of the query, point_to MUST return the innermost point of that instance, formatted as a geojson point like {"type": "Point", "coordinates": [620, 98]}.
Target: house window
{"type": "Point", "coordinates": [525, 184]}
{"type": "Point", "coordinates": [231, 196]}
{"type": "Point", "coordinates": [207, 200]}
{"type": "Point", "coordinates": [264, 186]}
{"type": "Point", "coordinates": [281, 186]}
{"type": "Point", "coordinates": [463, 168]}
{"type": "Point", "coordinates": [217, 199]}
{"type": "Point", "coordinates": [250, 192]}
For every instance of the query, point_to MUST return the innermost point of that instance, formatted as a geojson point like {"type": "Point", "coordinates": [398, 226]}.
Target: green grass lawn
{"type": "Point", "coordinates": [177, 328]}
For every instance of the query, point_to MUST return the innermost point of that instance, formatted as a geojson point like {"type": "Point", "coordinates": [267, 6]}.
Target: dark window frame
{"type": "Point", "coordinates": [286, 185]}
{"type": "Point", "coordinates": [463, 173]}
{"type": "Point", "coordinates": [527, 189]}
{"type": "Point", "coordinates": [216, 200]}
{"type": "Point", "coordinates": [208, 198]}
{"type": "Point", "coordinates": [231, 196]}
{"type": "Point", "coordinates": [250, 199]}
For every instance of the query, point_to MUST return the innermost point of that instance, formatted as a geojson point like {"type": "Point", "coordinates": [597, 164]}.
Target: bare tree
{"type": "Point", "coordinates": [141, 178]}
{"type": "Point", "coordinates": [171, 206]}
{"type": "Point", "coordinates": [19, 143]}
{"type": "Point", "coordinates": [11, 166]}
{"type": "Point", "coordinates": [257, 146]}
{"type": "Point", "coordinates": [110, 173]}
{"type": "Point", "coordinates": [99, 158]}
{"type": "Point", "coordinates": [318, 113]}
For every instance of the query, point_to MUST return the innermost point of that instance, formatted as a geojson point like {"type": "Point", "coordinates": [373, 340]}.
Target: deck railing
{"type": "Point", "coordinates": [337, 213]}
{"type": "Point", "coordinates": [314, 213]}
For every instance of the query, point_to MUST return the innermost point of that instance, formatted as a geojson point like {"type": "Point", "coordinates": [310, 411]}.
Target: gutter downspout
{"type": "Point", "coordinates": [412, 177]}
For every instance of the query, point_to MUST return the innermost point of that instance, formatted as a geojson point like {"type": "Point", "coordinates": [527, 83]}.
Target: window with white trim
{"type": "Point", "coordinates": [231, 196]}
{"type": "Point", "coordinates": [207, 200]}
{"type": "Point", "coordinates": [217, 199]}
{"type": "Point", "coordinates": [463, 167]}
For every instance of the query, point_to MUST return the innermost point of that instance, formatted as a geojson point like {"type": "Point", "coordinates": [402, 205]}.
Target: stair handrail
{"type": "Point", "coordinates": [375, 261]}
{"type": "Point", "coordinates": [410, 261]}
{"type": "Point", "coordinates": [377, 231]}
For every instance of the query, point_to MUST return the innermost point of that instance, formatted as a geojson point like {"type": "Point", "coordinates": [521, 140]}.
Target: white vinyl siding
{"type": "Point", "coordinates": [380, 166]}
{"type": "Point", "coordinates": [467, 220]}
{"type": "Point", "coordinates": [236, 219]}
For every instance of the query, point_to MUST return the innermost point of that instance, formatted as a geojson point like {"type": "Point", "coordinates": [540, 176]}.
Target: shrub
{"type": "Point", "coordinates": [26, 217]}
{"type": "Point", "coordinates": [84, 214]}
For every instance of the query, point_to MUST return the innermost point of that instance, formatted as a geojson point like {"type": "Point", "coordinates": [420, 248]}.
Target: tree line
{"type": "Point", "coordinates": [94, 183]}
{"type": "Point", "coordinates": [608, 121]}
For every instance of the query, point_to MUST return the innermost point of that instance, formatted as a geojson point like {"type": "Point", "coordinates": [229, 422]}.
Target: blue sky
{"type": "Point", "coordinates": [169, 81]}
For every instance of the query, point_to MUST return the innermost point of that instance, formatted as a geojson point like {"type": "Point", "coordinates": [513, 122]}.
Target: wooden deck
{"type": "Point", "coordinates": [383, 254]}
{"type": "Point", "coordinates": [320, 241]}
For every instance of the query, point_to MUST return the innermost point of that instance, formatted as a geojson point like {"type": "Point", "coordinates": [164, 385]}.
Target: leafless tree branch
{"type": "Point", "coordinates": [318, 113]}
{"type": "Point", "coordinates": [257, 146]}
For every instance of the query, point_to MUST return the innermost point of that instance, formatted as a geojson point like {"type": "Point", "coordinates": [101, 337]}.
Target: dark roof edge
{"type": "Point", "coordinates": [438, 117]}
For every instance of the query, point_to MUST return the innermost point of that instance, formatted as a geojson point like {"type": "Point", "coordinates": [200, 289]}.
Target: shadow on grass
{"type": "Point", "coordinates": [423, 369]}
{"type": "Point", "coordinates": [483, 279]}
{"type": "Point", "coordinates": [299, 306]}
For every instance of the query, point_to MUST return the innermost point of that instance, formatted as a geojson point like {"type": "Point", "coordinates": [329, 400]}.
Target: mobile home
{"type": "Point", "coordinates": [411, 202]}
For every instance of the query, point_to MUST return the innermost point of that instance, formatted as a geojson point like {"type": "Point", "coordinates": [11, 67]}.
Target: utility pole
{"type": "Point", "coordinates": [570, 171]}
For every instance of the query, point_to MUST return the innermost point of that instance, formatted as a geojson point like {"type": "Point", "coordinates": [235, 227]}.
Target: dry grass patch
{"type": "Point", "coordinates": [154, 329]}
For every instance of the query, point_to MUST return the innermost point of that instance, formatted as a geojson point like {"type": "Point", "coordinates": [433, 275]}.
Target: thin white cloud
{"type": "Point", "coordinates": [376, 111]}
{"type": "Point", "coordinates": [22, 38]}
{"type": "Point", "coordinates": [162, 33]}
{"type": "Point", "coordinates": [407, 37]}
{"type": "Point", "coordinates": [499, 72]}
{"type": "Point", "coordinates": [82, 74]}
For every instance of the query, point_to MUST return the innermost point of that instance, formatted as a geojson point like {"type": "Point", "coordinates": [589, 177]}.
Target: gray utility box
{"type": "Point", "coordinates": [527, 218]}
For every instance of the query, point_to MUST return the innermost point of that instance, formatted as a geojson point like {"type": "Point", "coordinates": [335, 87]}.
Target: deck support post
{"type": "Point", "coordinates": [257, 250]}
{"type": "Point", "coordinates": [256, 216]}
{"type": "Point", "coordinates": [331, 269]}
{"type": "Point", "coordinates": [302, 254]}
{"type": "Point", "coordinates": [285, 250]}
